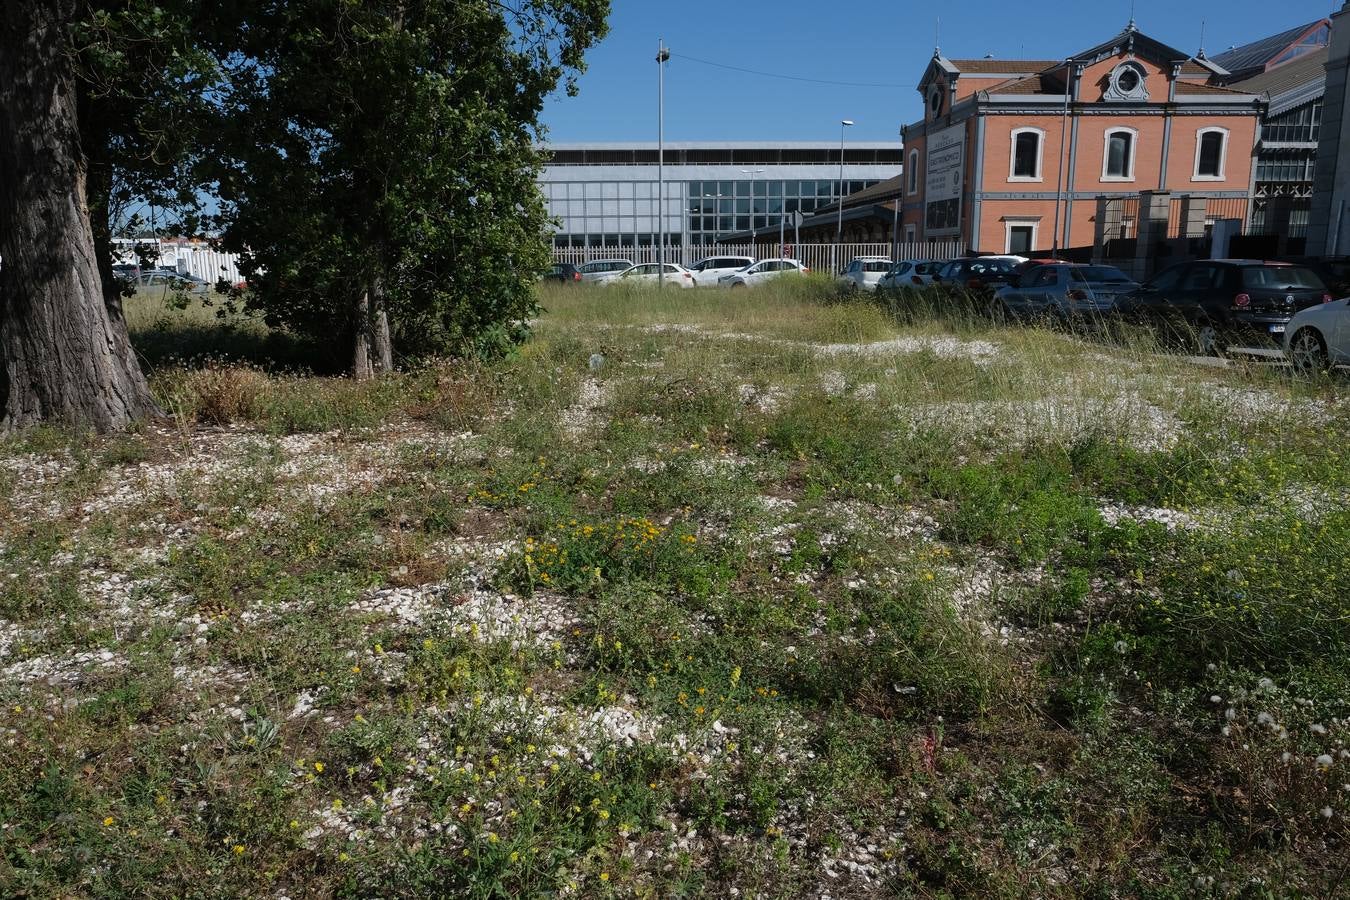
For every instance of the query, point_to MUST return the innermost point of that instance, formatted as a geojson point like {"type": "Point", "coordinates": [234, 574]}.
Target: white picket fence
{"type": "Point", "coordinates": [816, 257]}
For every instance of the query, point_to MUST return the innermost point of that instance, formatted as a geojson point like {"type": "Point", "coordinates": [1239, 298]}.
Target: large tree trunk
{"type": "Point", "coordinates": [383, 344]}
{"type": "Point", "coordinates": [362, 365]}
{"type": "Point", "coordinates": [64, 352]}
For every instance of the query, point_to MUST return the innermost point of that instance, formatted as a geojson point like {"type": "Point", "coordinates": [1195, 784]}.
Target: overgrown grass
{"type": "Point", "coordinates": [786, 593]}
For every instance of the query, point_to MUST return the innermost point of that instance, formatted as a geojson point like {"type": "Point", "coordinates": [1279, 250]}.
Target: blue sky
{"type": "Point", "coordinates": [875, 42]}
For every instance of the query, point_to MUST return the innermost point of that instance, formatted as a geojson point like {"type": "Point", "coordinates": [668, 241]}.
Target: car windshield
{"type": "Point", "coordinates": [1282, 278]}
{"type": "Point", "coordinates": [1099, 275]}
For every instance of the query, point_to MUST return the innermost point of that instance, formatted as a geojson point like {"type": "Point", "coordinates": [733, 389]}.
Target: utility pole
{"type": "Point", "coordinates": [662, 57]}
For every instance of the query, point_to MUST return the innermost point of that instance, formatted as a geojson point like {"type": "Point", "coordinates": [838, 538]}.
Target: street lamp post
{"type": "Point", "coordinates": [839, 233]}
{"type": "Point", "coordinates": [662, 57]}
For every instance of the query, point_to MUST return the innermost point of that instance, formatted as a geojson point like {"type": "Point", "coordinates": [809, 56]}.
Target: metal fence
{"type": "Point", "coordinates": [817, 257]}
{"type": "Point", "coordinates": [1216, 208]}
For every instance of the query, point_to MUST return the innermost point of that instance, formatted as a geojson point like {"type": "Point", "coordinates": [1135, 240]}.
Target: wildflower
{"type": "Point", "coordinates": [604, 815]}
{"type": "Point", "coordinates": [318, 767]}
{"type": "Point", "coordinates": [515, 856]}
{"type": "Point", "coordinates": [1324, 761]}
{"type": "Point", "coordinates": [238, 849]}
{"type": "Point", "coordinates": [294, 824]}
{"type": "Point", "coordinates": [492, 837]}
{"type": "Point", "coordinates": [343, 857]}
{"type": "Point", "coordinates": [337, 804]}
{"type": "Point", "coordinates": [378, 762]}
{"type": "Point", "coordinates": [108, 822]}
{"type": "Point", "coordinates": [604, 876]}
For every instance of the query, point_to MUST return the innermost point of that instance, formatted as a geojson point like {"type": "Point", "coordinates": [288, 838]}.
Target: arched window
{"type": "Point", "coordinates": [1211, 154]}
{"type": "Point", "coordinates": [913, 171]}
{"type": "Point", "coordinates": [1027, 150]}
{"type": "Point", "coordinates": [1118, 156]}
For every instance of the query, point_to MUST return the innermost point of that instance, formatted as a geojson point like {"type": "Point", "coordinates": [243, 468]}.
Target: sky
{"type": "Point", "coordinates": [883, 44]}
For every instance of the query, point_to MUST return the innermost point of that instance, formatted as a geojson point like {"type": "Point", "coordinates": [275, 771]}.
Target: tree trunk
{"type": "Point", "coordinates": [64, 352]}
{"type": "Point", "coordinates": [362, 366]}
{"type": "Point", "coordinates": [383, 344]}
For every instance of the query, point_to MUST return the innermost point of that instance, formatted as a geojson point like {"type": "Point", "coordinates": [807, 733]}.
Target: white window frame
{"type": "Point", "coordinates": [912, 175]}
{"type": "Point", "coordinates": [1223, 154]}
{"type": "Point", "coordinates": [1106, 152]}
{"type": "Point", "coordinates": [1010, 223]}
{"type": "Point", "coordinates": [1040, 155]}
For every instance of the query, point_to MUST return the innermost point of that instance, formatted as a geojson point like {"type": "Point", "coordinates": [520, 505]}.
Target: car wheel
{"type": "Point", "coordinates": [1308, 352]}
{"type": "Point", "coordinates": [737, 285]}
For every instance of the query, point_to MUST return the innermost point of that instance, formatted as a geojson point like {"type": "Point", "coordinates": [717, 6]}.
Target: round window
{"type": "Point", "coordinates": [936, 101]}
{"type": "Point", "coordinates": [1128, 81]}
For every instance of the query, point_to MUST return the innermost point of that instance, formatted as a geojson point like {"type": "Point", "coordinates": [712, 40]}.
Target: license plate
{"type": "Point", "coordinates": [1277, 329]}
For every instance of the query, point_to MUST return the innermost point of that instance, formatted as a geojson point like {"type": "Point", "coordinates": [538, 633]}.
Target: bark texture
{"type": "Point", "coordinates": [64, 352]}
{"type": "Point", "coordinates": [362, 366]}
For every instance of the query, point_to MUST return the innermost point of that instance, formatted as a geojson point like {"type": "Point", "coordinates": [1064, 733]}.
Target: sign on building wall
{"type": "Point", "coordinates": [946, 171]}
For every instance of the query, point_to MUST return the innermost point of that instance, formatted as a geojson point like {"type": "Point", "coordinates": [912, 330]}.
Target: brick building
{"type": "Point", "coordinates": [1013, 155]}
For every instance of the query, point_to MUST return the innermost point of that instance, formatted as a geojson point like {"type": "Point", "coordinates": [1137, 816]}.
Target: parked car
{"type": "Point", "coordinates": [1319, 337]}
{"type": "Point", "coordinates": [1217, 303]}
{"type": "Point", "coordinates": [910, 273]}
{"type": "Point", "coordinates": [169, 279]}
{"type": "Point", "coordinates": [650, 273]}
{"type": "Point", "coordinates": [708, 272]}
{"type": "Point", "coordinates": [563, 273]}
{"type": "Point", "coordinates": [1065, 291]}
{"type": "Point", "coordinates": [762, 271]}
{"type": "Point", "coordinates": [982, 274]}
{"type": "Point", "coordinates": [602, 270]}
{"type": "Point", "coordinates": [864, 272]}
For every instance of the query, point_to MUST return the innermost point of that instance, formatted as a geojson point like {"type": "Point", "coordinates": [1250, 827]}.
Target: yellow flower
{"type": "Point", "coordinates": [343, 857]}
{"type": "Point", "coordinates": [337, 804]}
{"type": "Point", "coordinates": [356, 670]}
{"type": "Point", "coordinates": [108, 822]}
{"type": "Point", "coordinates": [238, 849]}
{"type": "Point", "coordinates": [318, 767]}
{"type": "Point", "coordinates": [515, 856]}
{"type": "Point", "coordinates": [604, 876]}
{"type": "Point", "coordinates": [604, 814]}
{"type": "Point", "coordinates": [294, 824]}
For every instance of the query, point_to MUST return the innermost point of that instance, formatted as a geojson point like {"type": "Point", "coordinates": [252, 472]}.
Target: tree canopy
{"type": "Point", "coordinates": [374, 162]}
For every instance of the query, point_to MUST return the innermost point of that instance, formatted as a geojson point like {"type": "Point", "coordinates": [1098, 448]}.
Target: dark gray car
{"type": "Point", "coordinates": [1066, 291]}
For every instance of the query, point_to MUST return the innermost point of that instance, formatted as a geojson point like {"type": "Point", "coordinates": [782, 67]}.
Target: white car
{"type": "Point", "coordinates": [601, 270]}
{"type": "Point", "coordinates": [1319, 337]}
{"type": "Point", "coordinates": [650, 273]}
{"type": "Point", "coordinates": [910, 273]}
{"type": "Point", "coordinates": [709, 272]}
{"type": "Point", "coordinates": [762, 271]}
{"type": "Point", "coordinates": [864, 272]}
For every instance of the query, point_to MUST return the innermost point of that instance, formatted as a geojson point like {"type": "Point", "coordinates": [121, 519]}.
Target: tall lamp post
{"type": "Point", "coordinates": [662, 57]}
{"type": "Point", "coordinates": [752, 173]}
{"type": "Point", "coordinates": [839, 233]}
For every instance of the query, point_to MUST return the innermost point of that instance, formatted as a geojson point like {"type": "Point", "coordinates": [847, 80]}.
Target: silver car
{"type": "Point", "coordinates": [865, 272]}
{"type": "Point", "coordinates": [910, 273]}
{"type": "Point", "coordinates": [1319, 337]}
{"type": "Point", "coordinates": [602, 270]}
{"type": "Point", "coordinates": [1065, 291]}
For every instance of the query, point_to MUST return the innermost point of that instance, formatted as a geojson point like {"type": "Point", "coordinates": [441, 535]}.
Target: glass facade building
{"type": "Point", "coordinates": [606, 194]}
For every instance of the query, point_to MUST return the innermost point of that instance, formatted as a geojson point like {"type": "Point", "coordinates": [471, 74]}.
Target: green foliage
{"type": "Point", "coordinates": [388, 153]}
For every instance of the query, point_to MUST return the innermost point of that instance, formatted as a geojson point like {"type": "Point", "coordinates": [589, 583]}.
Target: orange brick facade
{"type": "Point", "coordinates": [1157, 102]}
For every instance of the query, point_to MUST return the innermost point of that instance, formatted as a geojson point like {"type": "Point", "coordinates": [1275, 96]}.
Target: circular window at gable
{"type": "Point", "coordinates": [935, 102]}
{"type": "Point", "coordinates": [1127, 82]}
